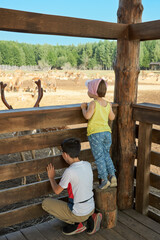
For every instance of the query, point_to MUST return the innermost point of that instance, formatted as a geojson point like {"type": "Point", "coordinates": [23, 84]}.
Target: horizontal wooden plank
{"type": "Point", "coordinates": [41, 117]}
{"type": "Point", "coordinates": [21, 215]}
{"type": "Point", "coordinates": [149, 106]}
{"type": "Point", "coordinates": [27, 168]}
{"type": "Point", "coordinates": [25, 192]}
{"type": "Point", "coordinates": [155, 180]}
{"type": "Point", "coordinates": [155, 134]}
{"type": "Point", "coordinates": [145, 112]}
{"type": "Point", "coordinates": [154, 215]}
{"type": "Point", "coordinates": [155, 158]}
{"type": "Point", "coordinates": [29, 22]}
{"type": "Point", "coordinates": [145, 31]}
{"type": "Point", "coordinates": [154, 200]}
{"type": "Point", "coordinates": [40, 141]}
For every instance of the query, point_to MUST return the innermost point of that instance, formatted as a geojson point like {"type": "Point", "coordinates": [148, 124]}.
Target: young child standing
{"type": "Point", "coordinates": [98, 131]}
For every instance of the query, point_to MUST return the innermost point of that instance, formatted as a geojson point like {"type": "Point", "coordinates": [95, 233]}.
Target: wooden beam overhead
{"type": "Point", "coordinates": [145, 31]}
{"type": "Point", "coordinates": [29, 22]}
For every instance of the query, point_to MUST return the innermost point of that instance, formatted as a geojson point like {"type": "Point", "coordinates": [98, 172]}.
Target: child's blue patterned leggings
{"type": "Point", "coordinates": [100, 145]}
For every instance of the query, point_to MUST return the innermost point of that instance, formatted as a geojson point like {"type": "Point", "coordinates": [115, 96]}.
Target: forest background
{"type": "Point", "coordinates": [96, 56]}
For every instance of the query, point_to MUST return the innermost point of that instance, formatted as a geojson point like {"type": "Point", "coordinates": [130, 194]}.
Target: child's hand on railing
{"type": "Point", "coordinates": [84, 106]}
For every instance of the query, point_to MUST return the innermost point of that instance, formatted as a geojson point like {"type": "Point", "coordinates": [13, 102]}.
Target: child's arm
{"type": "Point", "coordinates": [51, 174]}
{"type": "Point", "coordinates": [88, 110]}
{"type": "Point", "coordinates": [111, 114]}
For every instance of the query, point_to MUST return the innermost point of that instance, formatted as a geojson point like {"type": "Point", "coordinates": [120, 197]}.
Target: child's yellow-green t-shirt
{"type": "Point", "coordinates": [99, 120]}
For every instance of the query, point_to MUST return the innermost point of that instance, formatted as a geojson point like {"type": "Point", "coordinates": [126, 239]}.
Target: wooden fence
{"type": "Point", "coordinates": [146, 115]}
{"type": "Point", "coordinates": [47, 117]}
{"type": "Point", "coordinates": [29, 119]}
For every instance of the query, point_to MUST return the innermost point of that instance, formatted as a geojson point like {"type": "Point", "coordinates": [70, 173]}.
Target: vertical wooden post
{"type": "Point", "coordinates": [125, 93]}
{"type": "Point", "coordinates": [143, 167]}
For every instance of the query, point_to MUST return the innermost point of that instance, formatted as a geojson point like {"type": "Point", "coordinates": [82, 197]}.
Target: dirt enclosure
{"type": "Point", "coordinates": [66, 87]}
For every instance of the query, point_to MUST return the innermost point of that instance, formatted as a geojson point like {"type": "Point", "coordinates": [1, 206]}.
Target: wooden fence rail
{"type": "Point", "coordinates": [147, 114]}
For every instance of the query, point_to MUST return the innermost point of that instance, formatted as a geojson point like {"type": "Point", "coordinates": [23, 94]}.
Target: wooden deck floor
{"type": "Point", "coordinates": [130, 225]}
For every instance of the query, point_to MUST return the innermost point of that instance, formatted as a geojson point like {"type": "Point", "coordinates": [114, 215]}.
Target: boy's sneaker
{"type": "Point", "coordinates": [93, 223]}
{"type": "Point", "coordinates": [105, 184]}
{"type": "Point", "coordinates": [113, 181]}
{"type": "Point", "coordinates": [71, 229]}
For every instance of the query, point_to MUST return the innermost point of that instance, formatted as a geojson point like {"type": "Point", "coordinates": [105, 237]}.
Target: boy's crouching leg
{"type": "Point", "coordinates": [45, 204]}
{"type": "Point", "coordinates": [59, 209]}
{"type": "Point", "coordinates": [55, 207]}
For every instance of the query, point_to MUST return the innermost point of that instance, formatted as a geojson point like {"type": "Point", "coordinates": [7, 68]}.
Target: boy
{"type": "Point", "coordinates": [78, 179]}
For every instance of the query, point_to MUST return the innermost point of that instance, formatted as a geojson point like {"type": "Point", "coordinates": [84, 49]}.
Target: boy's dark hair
{"type": "Point", "coordinates": [101, 91]}
{"type": "Point", "coordinates": [72, 147]}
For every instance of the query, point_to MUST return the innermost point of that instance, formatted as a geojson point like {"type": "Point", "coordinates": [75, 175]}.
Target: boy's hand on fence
{"type": "Point", "coordinates": [83, 105]}
{"type": "Point", "coordinates": [50, 171]}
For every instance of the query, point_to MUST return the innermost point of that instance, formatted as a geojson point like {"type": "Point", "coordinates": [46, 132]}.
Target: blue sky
{"type": "Point", "coordinates": [102, 10]}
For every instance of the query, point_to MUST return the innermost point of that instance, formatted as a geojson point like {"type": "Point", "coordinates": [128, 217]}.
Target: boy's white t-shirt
{"type": "Point", "coordinates": [78, 179]}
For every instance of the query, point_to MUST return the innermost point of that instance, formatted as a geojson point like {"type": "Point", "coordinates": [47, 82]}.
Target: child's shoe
{"type": "Point", "coordinates": [105, 184]}
{"type": "Point", "coordinates": [71, 229]}
{"type": "Point", "coordinates": [113, 181]}
{"type": "Point", "coordinates": [93, 223]}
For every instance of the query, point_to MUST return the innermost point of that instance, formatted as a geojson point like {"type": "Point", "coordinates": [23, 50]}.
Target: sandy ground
{"type": "Point", "coordinates": [71, 92]}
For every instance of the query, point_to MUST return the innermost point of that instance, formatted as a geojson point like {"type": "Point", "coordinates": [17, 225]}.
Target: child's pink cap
{"type": "Point", "coordinates": [93, 85]}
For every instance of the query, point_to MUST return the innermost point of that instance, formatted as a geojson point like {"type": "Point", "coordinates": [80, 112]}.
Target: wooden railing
{"type": "Point", "coordinates": [57, 116]}
{"type": "Point", "coordinates": [29, 119]}
{"type": "Point", "coordinates": [147, 114]}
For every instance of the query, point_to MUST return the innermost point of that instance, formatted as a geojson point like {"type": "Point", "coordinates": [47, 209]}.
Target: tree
{"type": "Point", "coordinates": [51, 58]}
{"type": "Point", "coordinates": [0, 58]}
{"type": "Point", "coordinates": [29, 54]}
{"type": "Point", "coordinates": [156, 52]}
{"type": "Point", "coordinates": [144, 57]}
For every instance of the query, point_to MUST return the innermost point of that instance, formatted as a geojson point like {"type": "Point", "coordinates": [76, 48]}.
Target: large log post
{"type": "Point", "coordinates": [125, 93]}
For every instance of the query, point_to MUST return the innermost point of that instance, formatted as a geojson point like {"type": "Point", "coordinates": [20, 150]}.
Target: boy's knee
{"type": "Point", "coordinates": [45, 203]}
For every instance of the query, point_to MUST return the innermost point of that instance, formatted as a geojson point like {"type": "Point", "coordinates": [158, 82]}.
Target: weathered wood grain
{"type": "Point", "coordinates": [29, 22]}
{"type": "Point", "coordinates": [148, 113]}
{"type": "Point", "coordinates": [125, 94]}
{"type": "Point", "coordinates": [40, 141]}
{"type": "Point", "coordinates": [154, 200]}
{"type": "Point", "coordinates": [143, 168]}
{"type": "Point", "coordinates": [144, 31]}
{"type": "Point", "coordinates": [31, 167]}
